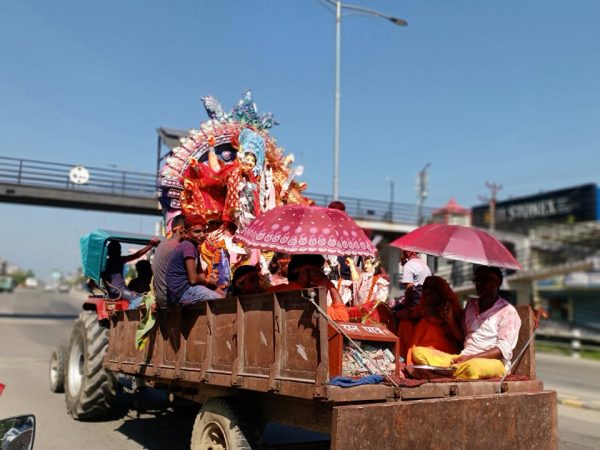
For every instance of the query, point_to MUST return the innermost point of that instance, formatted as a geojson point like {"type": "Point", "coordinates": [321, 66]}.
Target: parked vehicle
{"type": "Point", "coordinates": [31, 282]}
{"type": "Point", "coordinates": [270, 358]}
{"type": "Point", "coordinates": [63, 288]}
{"type": "Point", "coordinates": [7, 283]}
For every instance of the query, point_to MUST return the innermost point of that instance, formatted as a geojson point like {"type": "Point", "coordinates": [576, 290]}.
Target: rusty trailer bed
{"type": "Point", "coordinates": [272, 350]}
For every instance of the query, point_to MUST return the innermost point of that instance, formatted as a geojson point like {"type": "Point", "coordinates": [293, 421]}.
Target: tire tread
{"type": "Point", "coordinates": [97, 393]}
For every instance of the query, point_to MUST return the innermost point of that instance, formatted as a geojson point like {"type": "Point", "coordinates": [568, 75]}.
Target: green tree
{"type": "Point", "coordinates": [20, 276]}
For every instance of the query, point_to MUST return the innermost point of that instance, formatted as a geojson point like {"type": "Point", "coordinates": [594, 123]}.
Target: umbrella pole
{"type": "Point", "coordinates": [311, 298]}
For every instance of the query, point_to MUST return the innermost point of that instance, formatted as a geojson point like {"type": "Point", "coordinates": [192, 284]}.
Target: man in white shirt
{"type": "Point", "coordinates": [414, 273]}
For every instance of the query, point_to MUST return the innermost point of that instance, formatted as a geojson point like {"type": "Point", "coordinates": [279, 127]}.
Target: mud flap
{"type": "Point", "coordinates": [499, 421]}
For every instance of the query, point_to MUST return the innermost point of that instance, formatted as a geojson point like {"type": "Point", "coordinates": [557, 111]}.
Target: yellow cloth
{"type": "Point", "coordinates": [473, 369]}
{"type": "Point", "coordinates": [147, 322]}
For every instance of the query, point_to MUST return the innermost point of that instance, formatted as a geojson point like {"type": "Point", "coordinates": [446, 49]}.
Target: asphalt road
{"type": "Point", "coordinates": [32, 322]}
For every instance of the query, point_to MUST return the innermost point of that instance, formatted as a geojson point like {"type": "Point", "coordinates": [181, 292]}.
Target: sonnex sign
{"type": "Point", "coordinates": [563, 206]}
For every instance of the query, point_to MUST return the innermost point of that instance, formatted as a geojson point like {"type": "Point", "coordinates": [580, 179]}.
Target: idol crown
{"type": "Point", "coordinates": [245, 112]}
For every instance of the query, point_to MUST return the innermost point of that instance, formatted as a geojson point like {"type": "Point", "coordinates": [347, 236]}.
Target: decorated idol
{"type": "Point", "coordinates": [229, 171]}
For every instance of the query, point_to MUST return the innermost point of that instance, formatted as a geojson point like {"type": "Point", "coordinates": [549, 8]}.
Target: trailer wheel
{"type": "Point", "coordinates": [56, 373]}
{"type": "Point", "coordinates": [89, 388]}
{"type": "Point", "coordinates": [222, 425]}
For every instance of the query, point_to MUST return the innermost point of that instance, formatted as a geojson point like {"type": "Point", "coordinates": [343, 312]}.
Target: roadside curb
{"type": "Point", "coordinates": [574, 402]}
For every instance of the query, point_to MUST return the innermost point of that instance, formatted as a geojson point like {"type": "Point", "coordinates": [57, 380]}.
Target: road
{"type": "Point", "coordinates": [32, 322]}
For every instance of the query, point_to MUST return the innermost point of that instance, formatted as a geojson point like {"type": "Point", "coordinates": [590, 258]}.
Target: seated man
{"type": "Point", "coordinates": [113, 273]}
{"type": "Point", "coordinates": [305, 271]}
{"type": "Point", "coordinates": [186, 281]}
{"type": "Point", "coordinates": [141, 283]}
{"type": "Point", "coordinates": [247, 280]}
{"type": "Point", "coordinates": [161, 259]}
{"type": "Point", "coordinates": [491, 333]}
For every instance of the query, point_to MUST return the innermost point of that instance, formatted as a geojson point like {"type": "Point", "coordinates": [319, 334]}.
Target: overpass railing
{"type": "Point", "coordinates": [29, 172]}
{"type": "Point", "coordinates": [359, 208]}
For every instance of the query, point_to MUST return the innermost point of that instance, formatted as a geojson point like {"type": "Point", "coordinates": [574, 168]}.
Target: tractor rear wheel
{"type": "Point", "coordinates": [89, 388]}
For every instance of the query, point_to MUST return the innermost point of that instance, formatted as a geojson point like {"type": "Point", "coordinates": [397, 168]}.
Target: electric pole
{"type": "Point", "coordinates": [494, 188]}
{"type": "Point", "coordinates": [422, 191]}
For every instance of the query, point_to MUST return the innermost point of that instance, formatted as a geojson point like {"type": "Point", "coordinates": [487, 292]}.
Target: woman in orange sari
{"type": "Point", "coordinates": [436, 322]}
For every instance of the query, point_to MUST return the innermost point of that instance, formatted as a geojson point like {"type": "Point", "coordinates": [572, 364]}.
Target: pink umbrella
{"type": "Point", "coordinates": [306, 229]}
{"type": "Point", "coordinates": [458, 242]}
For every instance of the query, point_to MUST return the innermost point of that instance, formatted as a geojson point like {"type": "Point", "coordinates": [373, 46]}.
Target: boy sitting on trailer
{"type": "Point", "coordinates": [186, 281]}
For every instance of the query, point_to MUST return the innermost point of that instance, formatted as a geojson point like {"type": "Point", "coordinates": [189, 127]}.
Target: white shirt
{"type": "Point", "coordinates": [415, 271]}
{"type": "Point", "coordinates": [497, 327]}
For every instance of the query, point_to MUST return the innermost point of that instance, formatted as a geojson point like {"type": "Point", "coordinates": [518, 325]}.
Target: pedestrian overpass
{"type": "Point", "coordinates": [44, 183]}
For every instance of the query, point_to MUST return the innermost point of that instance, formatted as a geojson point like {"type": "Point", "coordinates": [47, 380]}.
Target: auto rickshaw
{"type": "Point", "coordinates": [94, 254]}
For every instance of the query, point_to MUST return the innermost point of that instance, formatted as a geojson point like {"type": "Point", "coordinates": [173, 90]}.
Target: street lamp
{"type": "Point", "coordinates": [359, 10]}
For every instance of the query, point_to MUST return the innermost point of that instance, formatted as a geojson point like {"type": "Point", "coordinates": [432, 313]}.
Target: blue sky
{"type": "Point", "coordinates": [507, 92]}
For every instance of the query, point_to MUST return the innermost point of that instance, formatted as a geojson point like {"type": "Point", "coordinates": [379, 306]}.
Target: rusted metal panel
{"type": "Point", "coordinates": [194, 330]}
{"type": "Point", "coordinates": [171, 336]}
{"type": "Point", "coordinates": [526, 365]}
{"type": "Point", "coordinates": [300, 337]}
{"type": "Point", "coordinates": [274, 370]}
{"type": "Point", "coordinates": [501, 421]}
{"type": "Point", "coordinates": [258, 350]}
{"type": "Point", "coordinates": [223, 335]}
{"type": "Point", "coordinates": [428, 390]}
{"type": "Point", "coordinates": [112, 351]}
{"type": "Point", "coordinates": [372, 392]}
{"type": "Point", "coordinates": [523, 386]}
{"type": "Point", "coordinates": [131, 318]}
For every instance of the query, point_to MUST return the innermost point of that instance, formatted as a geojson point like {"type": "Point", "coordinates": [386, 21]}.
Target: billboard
{"type": "Point", "coordinates": [570, 205]}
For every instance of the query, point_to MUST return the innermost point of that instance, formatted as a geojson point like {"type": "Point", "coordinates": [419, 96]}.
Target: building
{"type": "Point", "coordinates": [562, 232]}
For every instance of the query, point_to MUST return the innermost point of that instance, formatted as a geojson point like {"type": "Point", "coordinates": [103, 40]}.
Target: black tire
{"type": "Point", "coordinates": [89, 388]}
{"type": "Point", "coordinates": [57, 368]}
{"type": "Point", "coordinates": [222, 424]}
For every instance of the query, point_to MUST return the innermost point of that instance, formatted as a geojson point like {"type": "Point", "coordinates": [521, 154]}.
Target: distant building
{"type": "Point", "coordinates": [563, 206]}
{"type": "Point", "coordinates": [562, 227]}
{"type": "Point", "coordinates": [452, 214]}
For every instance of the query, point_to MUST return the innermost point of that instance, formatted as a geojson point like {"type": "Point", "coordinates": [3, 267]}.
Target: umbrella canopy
{"type": "Point", "coordinates": [306, 229]}
{"type": "Point", "coordinates": [460, 243]}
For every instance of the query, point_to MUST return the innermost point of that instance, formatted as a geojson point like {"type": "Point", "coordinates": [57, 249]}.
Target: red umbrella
{"type": "Point", "coordinates": [458, 242]}
{"type": "Point", "coordinates": [306, 229]}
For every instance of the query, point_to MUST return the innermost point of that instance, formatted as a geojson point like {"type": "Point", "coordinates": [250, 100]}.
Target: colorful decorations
{"type": "Point", "coordinates": [230, 169]}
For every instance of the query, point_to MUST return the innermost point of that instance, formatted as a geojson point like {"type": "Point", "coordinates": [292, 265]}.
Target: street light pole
{"type": "Point", "coordinates": [338, 38]}
{"type": "Point", "coordinates": [336, 119]}
{"type": "Point", "coordinates": [391, 200]}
